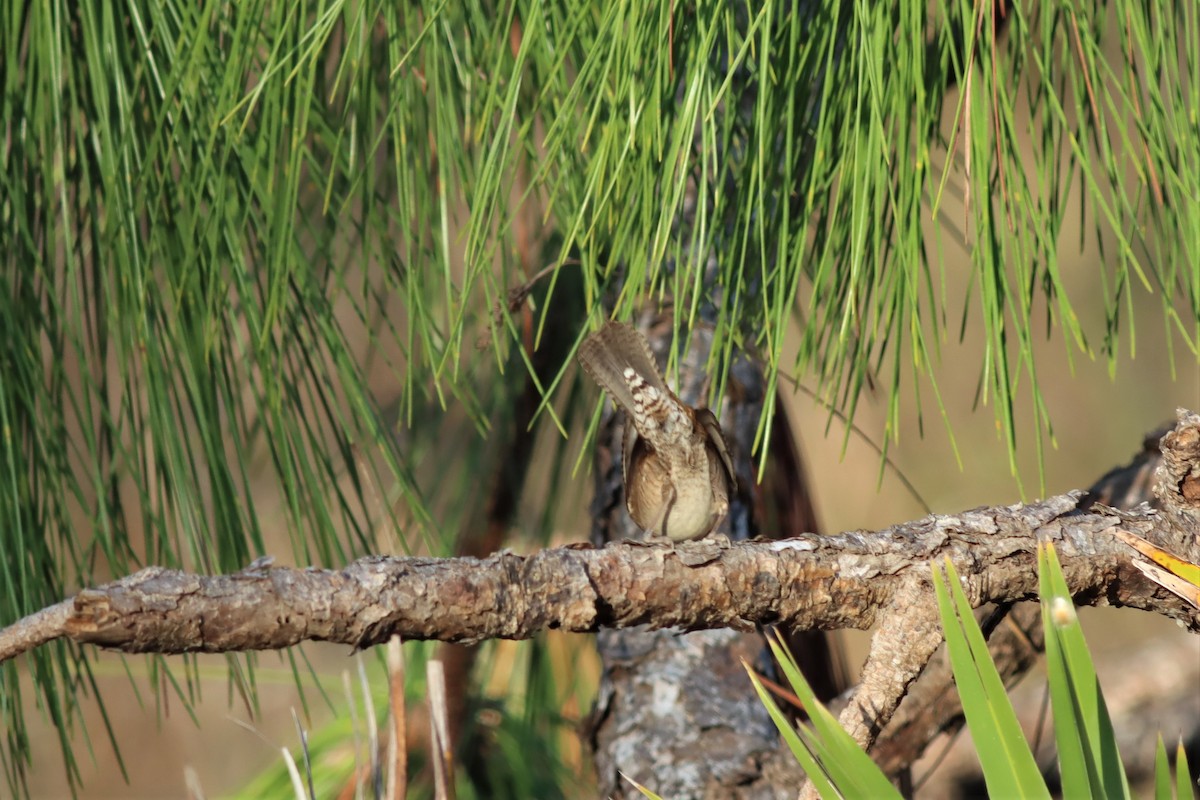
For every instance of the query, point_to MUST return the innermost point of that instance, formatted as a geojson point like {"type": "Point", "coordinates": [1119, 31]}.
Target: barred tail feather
{"type": "Point", "coordinates": [608, 352]}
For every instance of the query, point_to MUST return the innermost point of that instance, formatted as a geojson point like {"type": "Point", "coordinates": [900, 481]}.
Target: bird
{"type": "Point", "coordinates": [677, 471]}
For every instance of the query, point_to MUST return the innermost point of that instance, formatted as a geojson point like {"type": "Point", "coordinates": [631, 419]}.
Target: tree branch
{"type": "Point", "coordinates": [827, 582]}
{"type": "Point", "coordinates": [931, 707]}
{"type": "Point", "coordinates": [910, 632]}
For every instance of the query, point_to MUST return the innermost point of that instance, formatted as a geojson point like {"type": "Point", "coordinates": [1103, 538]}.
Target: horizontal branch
{"type": "Point", "coordinates": [809, 581]}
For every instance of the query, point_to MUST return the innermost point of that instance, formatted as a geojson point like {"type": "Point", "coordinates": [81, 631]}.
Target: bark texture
{"type": "Point", "coordinates": [931, 708]}
{"type": "Point", "coordinates": [853, 579]}
{"type": "Point", "coordinates": [838, 581]}
{"type": "Point", "coordinates": [672, 710]}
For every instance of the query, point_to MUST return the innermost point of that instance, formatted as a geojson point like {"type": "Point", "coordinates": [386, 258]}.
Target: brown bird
{"type": "Point", "coordinates": [678, 474]}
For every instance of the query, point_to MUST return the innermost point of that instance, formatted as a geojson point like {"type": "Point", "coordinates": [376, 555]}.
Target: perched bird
{"type": "Point", "coordinates": [678, 474]}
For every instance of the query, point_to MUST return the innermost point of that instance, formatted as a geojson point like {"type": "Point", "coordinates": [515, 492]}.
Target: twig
{"type": "Point", "coordinates": [442, 751]}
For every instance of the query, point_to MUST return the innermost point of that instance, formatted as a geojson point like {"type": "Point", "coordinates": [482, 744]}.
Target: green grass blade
{"type": "Point", "coordinates": [1008, 764]}
{"type": "Point", "coordinates": [850, 769]}
{"type": "Point", "coordinates": [1184, 783]}
{"type": "Point", "coordinates": [1083, 728]}
{"type": "Point", "coordinates": [800, 750]}
{"type": "Point", "coordinates": [1162, 772]}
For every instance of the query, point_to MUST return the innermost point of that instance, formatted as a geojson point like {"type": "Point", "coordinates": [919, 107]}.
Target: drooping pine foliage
{"type": "Point", "coordinates": [206, 208]}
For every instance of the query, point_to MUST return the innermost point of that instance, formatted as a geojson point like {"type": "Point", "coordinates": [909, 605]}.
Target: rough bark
{"type": "Point", "coordinates": [931, 707]}
{"type": "Point", "coordinates": [672, 710]}
{"type": "Point", "coordinates": [838, 581]}
{"type": "Point", "coordinates": [854, 579]}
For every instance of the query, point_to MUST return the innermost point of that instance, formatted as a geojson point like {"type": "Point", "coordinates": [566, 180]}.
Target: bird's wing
{"type": "Point", "coordinates": [717, 438]}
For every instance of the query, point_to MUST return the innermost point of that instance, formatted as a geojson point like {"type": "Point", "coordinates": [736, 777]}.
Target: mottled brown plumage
{"type": "Point", "coordinates": [678, 474]}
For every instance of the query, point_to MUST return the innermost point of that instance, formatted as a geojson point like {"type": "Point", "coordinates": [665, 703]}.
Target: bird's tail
{"type": "Point", "coordinates": [608, 352]}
